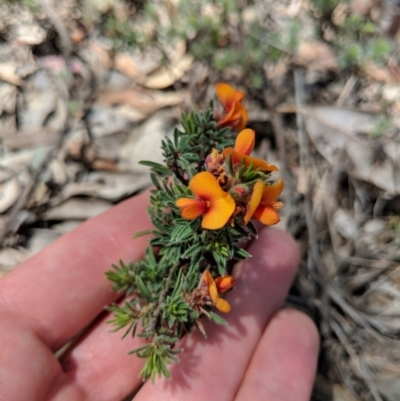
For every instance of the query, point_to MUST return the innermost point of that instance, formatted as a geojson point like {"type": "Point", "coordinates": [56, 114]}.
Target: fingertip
{"type": "Point", "coordinates": [284, 241]}
{"type": "Point", "coordinates": [277, 251]}
{"type": "Point", "coordinates": [285, 361]}
{"type": "Point", "coordinates": [301, 325]}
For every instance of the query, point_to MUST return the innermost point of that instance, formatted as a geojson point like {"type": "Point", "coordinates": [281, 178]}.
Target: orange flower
{"type": "Point", "coordinates": [235, 114]}
{"type": "Point", "coordinates": [218, 286]}
{"type": "Point", "coordinates": [244, 145]}
{"type": "Point", "coordinates": [216, 205]}
{"type": "Point", "coordinates": [263, 205]}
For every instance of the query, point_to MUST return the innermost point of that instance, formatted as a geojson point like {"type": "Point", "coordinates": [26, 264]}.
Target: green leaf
{"type": "Point", "coordinates": [242, 254]}
{"type": "Point", "coordinates": [143, 289]}
{"type": "Point", "coordinates": [157, 168]}
{"type": "Point", "coordinates": [217, 319]}
{"type": "Point", "coordinates": [155, 180]}
{"type": "Point", "coordinates": [163, 368]}
{"type": "Point", "coordinates": [181, 233]}
{"type": "Point", "coordinates": [141, 233]}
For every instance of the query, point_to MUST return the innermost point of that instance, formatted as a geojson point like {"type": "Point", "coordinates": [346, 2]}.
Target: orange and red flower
{"type": "Point", "coordinates": [244, 145]}
{"type": "Point", "coordinates": [218, 286]}
{"type": "Point", "coordinates": [216, 205]}
{"type": "Point", "coordinates": [235, 114]}
{"type": "Point", "coordinates": [263, 204]}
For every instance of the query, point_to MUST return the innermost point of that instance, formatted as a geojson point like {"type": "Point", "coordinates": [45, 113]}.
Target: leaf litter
{"type": "Point", "coordinates": [82, 99]}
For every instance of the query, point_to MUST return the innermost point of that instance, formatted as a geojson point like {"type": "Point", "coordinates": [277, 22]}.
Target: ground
{"type": "Point", "coordinates": [89, 88]}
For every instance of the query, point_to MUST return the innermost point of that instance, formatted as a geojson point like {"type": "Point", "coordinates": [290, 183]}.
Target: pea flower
{"type": "Point", "coordinates": [263, 205]}
{"type": "Point", "coordinates": [218, 286]}
{"type": "Point", "coordinates": [244, 145]}
{"type": "Point", "coordinates": [216, 205]}
{"type": "Point", "coordinates": [235, 113]}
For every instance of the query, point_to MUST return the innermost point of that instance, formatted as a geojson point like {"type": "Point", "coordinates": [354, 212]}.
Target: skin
{"type": "Point", "coordinates": [264, 353]}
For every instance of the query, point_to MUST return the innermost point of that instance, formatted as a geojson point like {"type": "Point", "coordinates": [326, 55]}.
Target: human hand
{"type": "Point", "coordinates": [262, 354]}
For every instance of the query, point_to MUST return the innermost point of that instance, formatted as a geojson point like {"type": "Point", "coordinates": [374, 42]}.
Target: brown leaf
{"type": "Point", "coordinates": [167, 76]}
{"type": "Point", "coordinates": [337, 135]}
{"type": "Point", "coordinates": [144, 101]}
{"type": "Point", "coordinates": [377, 73]}
{"type": "Point", "coordinates": [8, 74]}
{"type": "Point", "coordinates": [28, 138]}
{"type": "Point", "coordinates": [316, 55]}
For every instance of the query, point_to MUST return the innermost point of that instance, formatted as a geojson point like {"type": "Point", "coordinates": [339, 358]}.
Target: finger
{"type": "Point", "coordinates": [284, 363]}
{"type": "Point", "coordinates": [262, 283]}
{"type": "Point", "coordinates": [27, 366]}
{"type": "Point", "coordinates": [99, 366]}
{"type": "Point", "coordinates": [60, 290]}
{"type": "Point", "coordinates": [213, 368]}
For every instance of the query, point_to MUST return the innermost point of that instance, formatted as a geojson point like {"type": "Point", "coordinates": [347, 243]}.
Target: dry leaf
{"type": "Point", "coordinates": [11, 257]}
{"type": "Point", "coordinates": [341, 394]}
{"type": "Point", "coordinates": [40, 239]}
{"type": "Point", "coordinates": [124, 63]}
{"type": "Point", "coordinates": [9, 193]}
{"type": "Point", "coordinates": [27, 138]}
{"type": "Point", "coordinates": [115, 186]}
{"type": "Point", "coordinates": [386, 373]}
{"type": "Point", "coordinates": [8, 74]}
{"type": "Point", "coordinates": [335, 132]}
{"type": "Point", "coordinates": [8, 98]}
{"type": "Point", "coordinates": [105, 185]}
{"type": "Point", "coordinates": [106, 121]}
{"type": "Point", "coordinates": [167, 76]}
{"type": "Point", "coordinates": [377, 73]}
{"type": "Point", "coordinates": [144, 101]}
{"type": "Point", "coordinates": [345, 224]}
{"type": "Point", "coordinates": [144, 143]}
{"type": "Point", "coordinates": [316, 55]}
{"type": "Point", "coordinates": [29, 33]}
{"type": "Point", "coordinates": [77, 209]}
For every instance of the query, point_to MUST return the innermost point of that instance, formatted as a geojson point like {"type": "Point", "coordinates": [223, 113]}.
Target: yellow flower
{"type": "Point", "coordinates": [216, 205]}
{"type": "Point", "coordinates": [263, 205]}
{"type": "Point", "coordinates": [235, 113]}
{"type": "Point", "coordinates": [244, 145]}
{"type": "Point", "coordinates": [218, 286]}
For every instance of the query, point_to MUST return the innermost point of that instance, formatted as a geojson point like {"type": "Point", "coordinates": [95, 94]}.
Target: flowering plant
{"type": "Point", "coordinates": [202, 203]}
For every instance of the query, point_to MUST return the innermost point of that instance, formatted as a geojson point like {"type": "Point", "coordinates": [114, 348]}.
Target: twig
{"type": "Point", "coordinates": [361, 367]}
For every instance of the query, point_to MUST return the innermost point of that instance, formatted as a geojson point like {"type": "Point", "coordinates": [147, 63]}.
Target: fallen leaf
{"type": "Point", "coordinates": [145, 102]}
{"type": "Point", "coordinates": [167, 76]}
{"type": "Point", "coordinates": [8, 74]}
{"type": "Point", "coordinates": [9, 193]}
{"type": "Point", "coordinates": [378, 73]}
{"type": "Point", "coordinates": [336, 133]}
{"type": "Point", "coordinates": [124, 63]}
{"type": "Point", "coordinates": [76, 209]}
{"type": "Point", "coordinates": [316, 55]}
{"type": "Point", "coordinates": [11, 257]}
{"type": "Point", "coordinates": [27, 138]}
{"type": "Point", "coordinates": [144, 143]}
{"type": "Point", "coordinates": [29, 33]}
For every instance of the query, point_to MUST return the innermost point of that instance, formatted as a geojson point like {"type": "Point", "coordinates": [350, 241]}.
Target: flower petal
{"type": "Point", "coordinates": [222, 305]}
{"type": "Point", "coordinates": [245, 141]}
{"type": "Point", "coordinates": [205, 186]}
{"type": "Point", "coordinates": [228, 95]}
{"type": "Point", "coordinates": [191, 208]}
{"type": "Point", "coordinates": [271, 192]}
{"type": "Point", "coordinates": [257, 163]}
{"type": "Point", "coordinates": [219, 212]}
{"type": "Point", "coordinates": [236, 117]}
{"type": "Point", "coordinates": [212, 287]}
{"type": "Point", "coordinates": [254, 200]}
{"type": "Point", "coordinates": [224, 283]}
{"type": "Point", "coordinates": [267, 215]}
